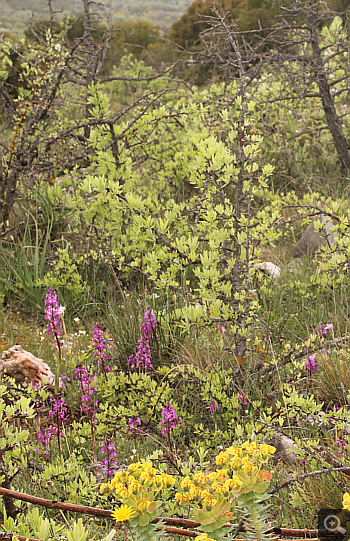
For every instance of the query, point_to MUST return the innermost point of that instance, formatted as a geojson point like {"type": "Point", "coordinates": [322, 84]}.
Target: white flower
{"type": "Point", "coordinates": [61, 310]}
{"type": "Point", "coordinates": [82, 332]}
{"type": "Point", "coordinates": [76, 319]}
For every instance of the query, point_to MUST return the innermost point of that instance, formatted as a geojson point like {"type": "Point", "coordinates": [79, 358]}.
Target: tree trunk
{"type": "Point", "coordinates": [332, 118]}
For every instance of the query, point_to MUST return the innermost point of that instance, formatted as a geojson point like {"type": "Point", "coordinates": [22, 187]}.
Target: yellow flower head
{"type": "Point", "coordinates": [216, 487]}
{"type": "Point", "coordinates": [186, 498]}
{"type": "Point", "coordinates": [104, 488]}
{"type": "Point", "coordinates": [144, 477]}
{"type": "Point", "coordinates": [136, 466]}
{"type": "Point", "coordinates": [134, 486]}
{"type": "Point", "coordinates": [249, 447]}
{"type": "Point", "coordinates": [267, 449]}
{"type": "Point", "coordinates": [196, 493]}
{"type": "Point", "coordinates": [123, 513]}
{"type": "Point", "coordinates": [235, 462]}
{"type": "Point", "coordinates": [186, 483]}
{"type": "Point", "coordinates": [150, 471]}
{"type": "Point", "coordinates": [346, 501]}
{"type": "Point", "coordinates": [119, 478]}
{"type": "Point", "coordinates": [168, 480]}
{"type": "Point", "coordinates": [210, 501]}
{"type": "Point", "coordinates": [143, 505]}
{"type": "Point", "coordinates": [249, 467]}
{"type": "Point", "coordinates": [118, 487]}
{"type": "Point", "coordinates": [198, 479]}
{"type": "Point", "coordinates": [124, 493]}
{"type": "Point", "coordinates": [203, 537]}
{"type": "Point", "coordinates": [222, 458]}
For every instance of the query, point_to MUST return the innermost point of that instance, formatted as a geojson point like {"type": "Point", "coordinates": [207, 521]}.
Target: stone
{"type": "Point", "coordinates": [312, 240]}
{"type": "Point", "coordinates": [285, 449]}
{"type": "Point", "coordinates": [24, 367]}
{"type": "Point", "coordinates": [269, 268]}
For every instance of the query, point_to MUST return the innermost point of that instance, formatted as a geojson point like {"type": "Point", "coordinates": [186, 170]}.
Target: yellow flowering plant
{"type": "Point", "coordinates": [239, 480]}
{"type": "Point", "coordinates": [138, 490]}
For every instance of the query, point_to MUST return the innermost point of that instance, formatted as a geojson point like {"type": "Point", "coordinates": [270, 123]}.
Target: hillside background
{"type": "Point", "coordinates": [15, 13]}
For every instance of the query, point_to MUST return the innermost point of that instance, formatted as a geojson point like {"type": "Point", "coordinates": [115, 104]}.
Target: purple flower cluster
{"type": "Point", "coordinates": [322, 331]}
{"type": "Point", "coordinates": [58, 410]}
{"type": "Point", "coordinates": [64, 379]}
{"type": "Point", "coordinates": [310, 364]}
{"type": "Point", "coordinates": [109, 454]}
{"type": "Point", "coordinates": [36, 386]}
{"type": "Point", "coordinates": [169, 419]}
{"type": "Point", "coordinates": [341, 447]}
{"type": "Point", "coordinates": [87, 388]}
{"type": "Point", "coordinates": [242, 397]}
{"type": "Point", "coordinates": [44, 438]}
{"type": "Point", "coordinates": [213, 406]}
{"type": "Point", "coordinates": [53, 313]}
{"type": "Point", "coordinates": [134, 424]}
{"type": "Point", "coordinates": [58, 414]}
{"type": "Point", "coordinates": [143, 358]}
{"type": "Point", "coordinates": [101, 347]}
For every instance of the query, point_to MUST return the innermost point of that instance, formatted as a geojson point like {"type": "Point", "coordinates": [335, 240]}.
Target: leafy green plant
{"type": "Point", "coordinates": [24, 267]}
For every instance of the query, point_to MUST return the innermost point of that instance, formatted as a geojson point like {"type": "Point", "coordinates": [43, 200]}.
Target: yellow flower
{"type": "Point", "coordinates": [203, 537]}
{"type": "Point", "coordinates": [144, 477]}
{"type": "Point", "coordinates": [134, 486]}
{"type": "Point", "coordinates": [124, 493]}
{"type": "Point", "coordinates": [186, 483]}
{"type": "Point", "coordinates": [196, 493]}
{"type": "Point", "coordinates": [249, 447]}
{"type": "Point", "coordinates": [198, 478]}
{"type": "Point", "coordinates": [168, 480]}
{"type": "Point", "coordinates": [182, 499]}
{"type": "Point", "coordinates": [267, 449]}
{"type": "Point", "coordinates": [136, 466]}
{"type": "Point", "coordinates": [346, 501]}
{"type": "Point", "coordinates": [235, 462]}
{"type": "Point", "coordinates": [186, 498]}
{"type": "Point", "coordinates": [211, 502]}
{"type": "Point", "coordinates": [143, 505]}
{"type": "Point", "coordinates": [124, 512]}
{"type": "Point", "coordinates": [222, 458]}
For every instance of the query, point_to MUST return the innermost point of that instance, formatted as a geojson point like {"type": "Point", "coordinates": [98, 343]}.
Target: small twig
{"type": "Point", "coordinates": [237, 529]}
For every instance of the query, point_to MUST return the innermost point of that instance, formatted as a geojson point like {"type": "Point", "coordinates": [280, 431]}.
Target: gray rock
{"type": "Point", "coordinates": [312, 240]}
{"type": "Point", "coordinates": [285, 449]}
{"type": "Point", "coordinates": [269, 268]}
{"type": "Point", "coordinates": [24, 367]}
